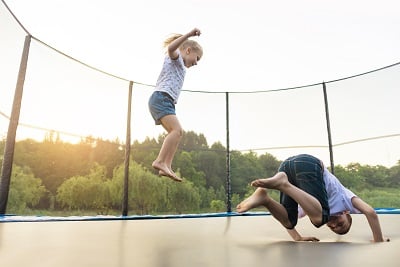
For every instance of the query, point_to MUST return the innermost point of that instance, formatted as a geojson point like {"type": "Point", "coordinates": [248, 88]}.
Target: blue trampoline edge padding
{"type": "Point", "coordinates": [18, 218]}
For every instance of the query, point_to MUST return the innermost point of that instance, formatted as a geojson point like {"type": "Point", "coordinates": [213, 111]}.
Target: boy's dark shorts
{"type": "Point", "coordinates": [161, 104]}
{"type": "Point", "coordinates": [305, 172]}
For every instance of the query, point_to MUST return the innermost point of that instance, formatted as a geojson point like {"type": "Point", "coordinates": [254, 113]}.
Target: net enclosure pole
{"type": "Point", "coordinates": [12, 129]}
{"type": "Point", "coordinates": [127, 153]}
{"type": "Point", "coordinates": [328, 126]}
{"type": "Point", "coordinates": [228, 159]}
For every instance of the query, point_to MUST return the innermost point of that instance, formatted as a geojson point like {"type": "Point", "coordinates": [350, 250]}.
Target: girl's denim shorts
{"type": "Point", "coordinates": [160, 105]}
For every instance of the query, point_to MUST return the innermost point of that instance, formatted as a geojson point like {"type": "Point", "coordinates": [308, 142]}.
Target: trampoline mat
{"type": "Point", "coordinates": [191, 242]}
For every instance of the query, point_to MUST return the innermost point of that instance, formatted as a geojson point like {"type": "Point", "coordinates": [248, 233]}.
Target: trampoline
{"type": "Point", "coordinates": [222, 239]}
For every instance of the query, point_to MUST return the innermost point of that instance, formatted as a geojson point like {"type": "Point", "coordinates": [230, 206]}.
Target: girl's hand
{"type": "Point", "coordinates": [195, 32]}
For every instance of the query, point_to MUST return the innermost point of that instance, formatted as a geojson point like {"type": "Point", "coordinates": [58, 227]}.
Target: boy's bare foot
{"type": "Point", "coordinates": [258, 198]}
{"type": "Point", "coordinates": [274, 182]}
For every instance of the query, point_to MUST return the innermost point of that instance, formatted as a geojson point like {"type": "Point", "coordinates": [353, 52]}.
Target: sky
{"type": "Point", "coordinates": [248, 45]}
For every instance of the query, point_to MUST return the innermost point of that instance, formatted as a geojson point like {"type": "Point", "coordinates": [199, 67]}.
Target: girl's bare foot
{"type": "Point", "coordinates": [173, 176]}
{"type": "Point", "coordinates": [275, 182]}
{"type": "Point", "coordinates": [258, 198]}
{"type": "Point", "coordinates": [163, 170]}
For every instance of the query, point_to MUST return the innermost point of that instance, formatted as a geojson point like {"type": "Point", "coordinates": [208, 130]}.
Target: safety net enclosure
{"type": "Point", "coordinates": [79, 123]}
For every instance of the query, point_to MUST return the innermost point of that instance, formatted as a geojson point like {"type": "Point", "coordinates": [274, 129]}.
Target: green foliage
{"type": "Point", "coordinates": [182, 197]}
{"type": "Point", "coordinates": [188, 169]}
{"type": "Point", "coordinates": [217, 206]}
{"type": "Point", "coordinates": [213, 164]}
{"type": "Point", "coordinates": [381, 197]}
{"type": "Point", "coordinates": [193, 142]}
{"type": "Point", "coordinates": [235, 199]}
{"type": "Point", "coordinates": [350, 176]}
{"type": "Point", "coordinates": [244, 169]}
{"type": "Point", "coordinates": [25, 190]}
{"type": "Point", "coordinates": [89, 176]}
{"type": "Point", "coordinates": [149, 193]}
{"type": "Point", "coordinates": [394, 175]}
{"type": "Point", "coordinates": [85, 192]}
{"type": "Point", "coordinates": [376, 176]}
{"type": "Point", "coordinates": [146, 191]}
{"type": "Point", "coordinates": [269, 164]}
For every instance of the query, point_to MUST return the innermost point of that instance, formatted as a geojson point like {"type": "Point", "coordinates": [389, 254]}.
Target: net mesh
{"type": "Point", "coordinates": [74, 101]}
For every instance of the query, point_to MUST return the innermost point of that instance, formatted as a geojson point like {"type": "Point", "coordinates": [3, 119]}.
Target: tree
{"type": "Point", "coordinates": [349, 176]}
{"type": "Point", "coordinates": [147, 192]}
{"type": "Point", "coordinates": [88, 192]}
{"type": "Point", "coordinates": [146, 152]}
{"type": "Point", "coordinates": [394, 175]}
{"type": "Point", "coordinates": [217, 205]}
{"type": "Point", "coordinates": [203, 169]}
{"type": "Point", "coordinates": [212, 163]}
{"type": "Point", "coordinates": [269, 163]}
{"type": "Point", "coordinates": [244, 169]}
{"type": "Point", "coordinates": [193, 142]}
{"type": "Point", "coordinates": [182, 197]}
{"type": "Point", "coordinates": [109, 154]}
{"type": "Point", "coordinates": [25, 190]}
{"type": "Point", "coordinates": [187, 169]}
{"type": "Point", "coordinates": [376, 176]}
{"type": "Point", "coordinates": [53, 161]}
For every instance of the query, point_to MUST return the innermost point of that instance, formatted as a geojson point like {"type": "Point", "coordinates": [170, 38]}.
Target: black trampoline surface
{"type": "Point", "coordinates": [191, 242]}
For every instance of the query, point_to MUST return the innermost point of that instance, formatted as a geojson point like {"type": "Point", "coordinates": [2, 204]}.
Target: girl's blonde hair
{"type": "Point", "coordinates": [188, 43]}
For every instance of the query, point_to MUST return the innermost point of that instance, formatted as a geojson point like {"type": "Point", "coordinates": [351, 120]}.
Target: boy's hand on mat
{"type": "Point", "coordinates": [297, 237]}
{"type": "Point", "coordinates": [384, 239]}
{"type": "Point", "coordinates": [309, 238]}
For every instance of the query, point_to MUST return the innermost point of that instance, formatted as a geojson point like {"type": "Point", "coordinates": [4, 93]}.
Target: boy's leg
{"type": "Point", "coordinates": [310, 204]}
{"type": "Point", "coordinates": [260, 198]}
{"type": "Point", "coordinates": [163, 162]}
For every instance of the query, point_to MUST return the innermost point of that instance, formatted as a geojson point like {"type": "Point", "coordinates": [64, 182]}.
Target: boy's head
{"type": "Point", "coordinates": [340, 224]}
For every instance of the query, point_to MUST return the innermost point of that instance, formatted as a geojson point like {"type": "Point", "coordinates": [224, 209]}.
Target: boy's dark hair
{"type": "Point", "coordinates": [346, 230]}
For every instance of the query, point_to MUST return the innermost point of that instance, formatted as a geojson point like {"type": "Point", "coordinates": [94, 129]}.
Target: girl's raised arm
{"type": "Point", "coordinates": [175, 44]}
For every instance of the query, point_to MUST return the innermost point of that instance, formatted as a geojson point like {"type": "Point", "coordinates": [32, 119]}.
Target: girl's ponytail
{"type": "Point", "coordinates": [171, 38]}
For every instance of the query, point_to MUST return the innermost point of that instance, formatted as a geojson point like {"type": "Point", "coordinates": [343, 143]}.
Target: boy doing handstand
{"type": "Point", "coordinates": [308, 188]}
